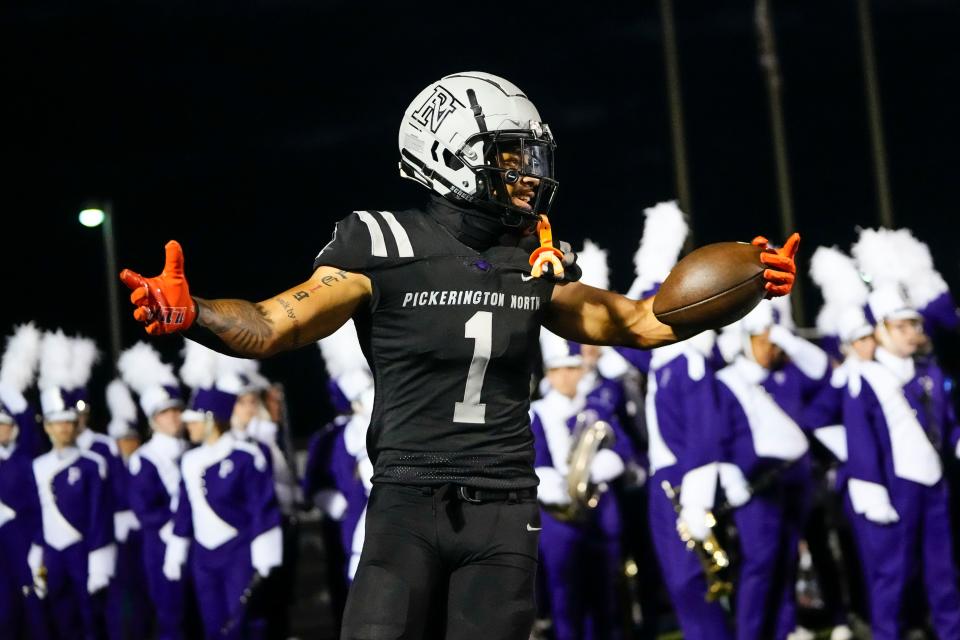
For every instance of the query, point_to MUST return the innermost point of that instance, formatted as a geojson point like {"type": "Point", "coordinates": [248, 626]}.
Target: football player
{"type": "Point", "coordinates": [448, 311]}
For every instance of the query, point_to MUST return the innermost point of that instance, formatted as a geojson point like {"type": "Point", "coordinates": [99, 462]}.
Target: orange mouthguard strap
{"type": "Point", "coordinates": [546, 253]}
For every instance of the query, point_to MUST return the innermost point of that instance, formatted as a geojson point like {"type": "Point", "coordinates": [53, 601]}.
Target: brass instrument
{"type": "Point", "coordinates": [589, 436]}
{"type": "Point", "coordinates": [713, 558]}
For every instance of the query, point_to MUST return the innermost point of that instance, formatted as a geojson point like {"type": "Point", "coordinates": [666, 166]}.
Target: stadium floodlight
{"type": "Point", "coordinates": [92, 217]}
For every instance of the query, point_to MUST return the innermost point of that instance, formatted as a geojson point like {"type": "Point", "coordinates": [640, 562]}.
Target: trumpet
{"type": "Point", "coordinates": [589, 436]}
{"type": "Point", "coordinates": [713, 558]}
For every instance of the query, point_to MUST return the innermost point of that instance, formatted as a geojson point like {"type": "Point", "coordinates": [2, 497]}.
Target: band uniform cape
{"type": "Point", "coordinates": [451, 337]}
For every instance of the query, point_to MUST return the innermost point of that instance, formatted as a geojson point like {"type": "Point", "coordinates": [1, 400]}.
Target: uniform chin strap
{"type": "Point", "coordinates": [546, 254]}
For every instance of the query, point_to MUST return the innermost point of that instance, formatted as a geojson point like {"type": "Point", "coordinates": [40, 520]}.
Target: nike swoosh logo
{"type": "Point", "coordinates": [529, 528]}
{"type": "Point", "coordinates": [525, 277]}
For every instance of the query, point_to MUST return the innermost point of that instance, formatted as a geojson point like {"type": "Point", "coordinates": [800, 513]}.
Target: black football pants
{"type": "Point", "coordinates": [438, 566]}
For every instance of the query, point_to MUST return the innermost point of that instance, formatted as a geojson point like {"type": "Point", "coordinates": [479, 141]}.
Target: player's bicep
{"type": "Point", "coordinates": [596, 316]}
{"type": "Point", "coordinates": [317, 307]}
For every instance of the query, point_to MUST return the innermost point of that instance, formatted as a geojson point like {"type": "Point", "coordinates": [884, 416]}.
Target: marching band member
{"type": "Point", "coordinates": [133, 609]}
{"type": "Point", "coordinates": [251, 422]}
{"type": "Point", "coordinates": [848, 337]}
{"type": "Point", "coordinates": [77, 549]}
{"type": "Point", "coordinates": [19, 506]}
{"type": "Point", "coordinates": [154, 489]}
{"type": "Point", "coordinates": [581, 559]}
{"type": "Point", "coordinates": [337, 475]}
{"type": "Point", "coordinates": [681, 399]}
{"type": "Point", "coordinates": [899, 420]}
{"type": "Point", "coordinates": [665, 231]}
{"type": "Point", "coordinates": [761, 396]}
{"type": "Point", "coordinates": [227, 516]}
{"type": "Point", "coordinates": [121, 617]}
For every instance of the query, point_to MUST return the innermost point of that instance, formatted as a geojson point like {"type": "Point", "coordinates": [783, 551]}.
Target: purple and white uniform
{"type": "Point", "coordinates": [683, 451]}
{"type": "Point", "coordinates": [581, 559]}
{"type": "Point", "coordinates": [77, 538]}
{"type": "Point", "coordinates": [154, 497]}
{"type": "Point", "coordinates": [899, 420]}
{"type": "Point", "coordinates": [228, 514]}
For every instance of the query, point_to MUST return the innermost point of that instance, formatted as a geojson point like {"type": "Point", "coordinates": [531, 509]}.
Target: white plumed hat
{"type": "Point", "coordinates": [345, 363]}
{"type": "Point", "coordinates": [592, 261]}
{"type": "Point", "coordinates": [842, 287]}
{"type": "Point", "coordinates": [142, 369]}
{"type": "Point", "coordinates": [18, 370]}
{"type": "Point", "coordinates": [664, 232]}
{"type": "Point", "coordinates": [55, 378]}
{"type": "Point", "coordinates": [123, 411]}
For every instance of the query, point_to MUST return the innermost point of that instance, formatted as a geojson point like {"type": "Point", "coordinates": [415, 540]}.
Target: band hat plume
{"type": "Point", "coordinates": [592, 261]}
{"type": "Point", "coordinates": [889, 256]}
{"type": "Point", "coordinates": [664, 231]}
{"type": "Point", "coordinates": [123, 410]}
{"type": "Point", "coordinates": [875, 254]}
{"type": "Point", "coordinates": [18, 370]}
{"type": "Point", "coordinates": [345, 363]}
{"type": "Point", "coordinates": [55, 378]}
{"type": "Point", "coordinates": [842, 287]}
{"type": "Point", "coordinates": [152, 379]}
{"type": "Point", "coordinates": [83, 355]}
{"type": "Point", "coordinates": [247, 373]}
{"type": "Point", "coordinates": [922, 281]}
{"type": "Point", "coordinates": [199, 372]}
{"type": "Point", "coordinates": [558, 352]}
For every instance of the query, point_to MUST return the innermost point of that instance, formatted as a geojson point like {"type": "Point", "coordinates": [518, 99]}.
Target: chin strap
{"type": "Point", "coordinates": [546, 255]}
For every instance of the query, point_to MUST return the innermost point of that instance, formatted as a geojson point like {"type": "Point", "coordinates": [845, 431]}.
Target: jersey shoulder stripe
{"type": "Point", "coordinates": [378, 247]}
{"type": "Point", "coordinates": [404, 248]}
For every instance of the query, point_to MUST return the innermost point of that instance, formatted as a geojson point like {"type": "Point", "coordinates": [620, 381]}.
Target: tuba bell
{"type": "Point", "coordinates": [713, 559]}
{"type": "Point", "coordinates": [590, 435]}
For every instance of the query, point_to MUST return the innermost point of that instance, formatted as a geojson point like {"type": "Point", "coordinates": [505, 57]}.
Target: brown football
{"type": "Point", "coordinates": [711, 287]}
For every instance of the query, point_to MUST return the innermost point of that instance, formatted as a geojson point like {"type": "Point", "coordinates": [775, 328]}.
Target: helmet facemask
{"type": "Point", "coordinates": [516, 178]}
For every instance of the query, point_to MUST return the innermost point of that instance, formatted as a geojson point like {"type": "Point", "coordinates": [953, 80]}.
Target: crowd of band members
{"type": "Point", "coordinates": [192, 532]}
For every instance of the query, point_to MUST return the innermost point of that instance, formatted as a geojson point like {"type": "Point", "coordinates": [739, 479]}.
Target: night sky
{"type": "Point", "coordinates": [244, 129]}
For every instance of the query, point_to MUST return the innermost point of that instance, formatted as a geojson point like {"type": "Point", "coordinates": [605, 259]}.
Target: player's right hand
{"type": "Point", "coordinates": [163, 302]}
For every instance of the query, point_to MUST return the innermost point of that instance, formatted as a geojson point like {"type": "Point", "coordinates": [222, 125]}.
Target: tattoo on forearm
{"type": "Point", "coordinates": [243, 326]}
{"type": "Point", "coordinates": [326, 281]}
{"type": "Point", "coordinates": [288, 308]}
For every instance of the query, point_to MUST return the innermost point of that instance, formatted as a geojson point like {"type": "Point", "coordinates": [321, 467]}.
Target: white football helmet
{"type": "Point", "coordinates": [469, 135]}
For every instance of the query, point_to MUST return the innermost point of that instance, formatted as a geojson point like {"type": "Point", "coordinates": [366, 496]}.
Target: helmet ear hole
{"type": "Point", "coordinates": [451, 161]}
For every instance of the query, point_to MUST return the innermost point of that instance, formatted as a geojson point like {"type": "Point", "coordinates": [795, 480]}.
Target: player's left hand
{"type": "Point", "coordinates": [781, 269]}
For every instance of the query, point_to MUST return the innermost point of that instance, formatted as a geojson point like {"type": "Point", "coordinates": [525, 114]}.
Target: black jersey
{"type": "Point", "coordinates": [451, 335]}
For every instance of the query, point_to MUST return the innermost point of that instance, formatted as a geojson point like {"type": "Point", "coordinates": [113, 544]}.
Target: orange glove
{"type": "Point", "coordinates": [163, 302]}
{"type": "Point", "coordinates": [782, 269]}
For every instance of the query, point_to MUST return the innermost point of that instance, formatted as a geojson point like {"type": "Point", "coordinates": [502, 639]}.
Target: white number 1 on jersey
{"type": "Point", "coordinates": [480, 328]}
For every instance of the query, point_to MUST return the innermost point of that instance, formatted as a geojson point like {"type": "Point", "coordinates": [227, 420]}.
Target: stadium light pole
{"type": "Point", "coordinates": [675, 102]}
{"type": "Point", "coordinates": [770, 64]}
{"type": "Point", "coordinates": [871, 86]}
{"type": "Point", "coordinates": [102, 217]}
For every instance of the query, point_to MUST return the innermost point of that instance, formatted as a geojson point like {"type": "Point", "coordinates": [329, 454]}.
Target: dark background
{"type": "Point", "coordinates": [244, 129]}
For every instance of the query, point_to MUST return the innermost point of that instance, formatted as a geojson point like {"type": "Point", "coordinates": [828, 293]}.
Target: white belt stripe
{"type": "Point", "coordinates": [403, 241]}
{"type": "Point", "coordinates": [379, 247]}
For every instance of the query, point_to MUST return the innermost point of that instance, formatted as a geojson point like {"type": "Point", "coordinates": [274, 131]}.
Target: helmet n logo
{"type": "Point", "coordinates": [435, 110]}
